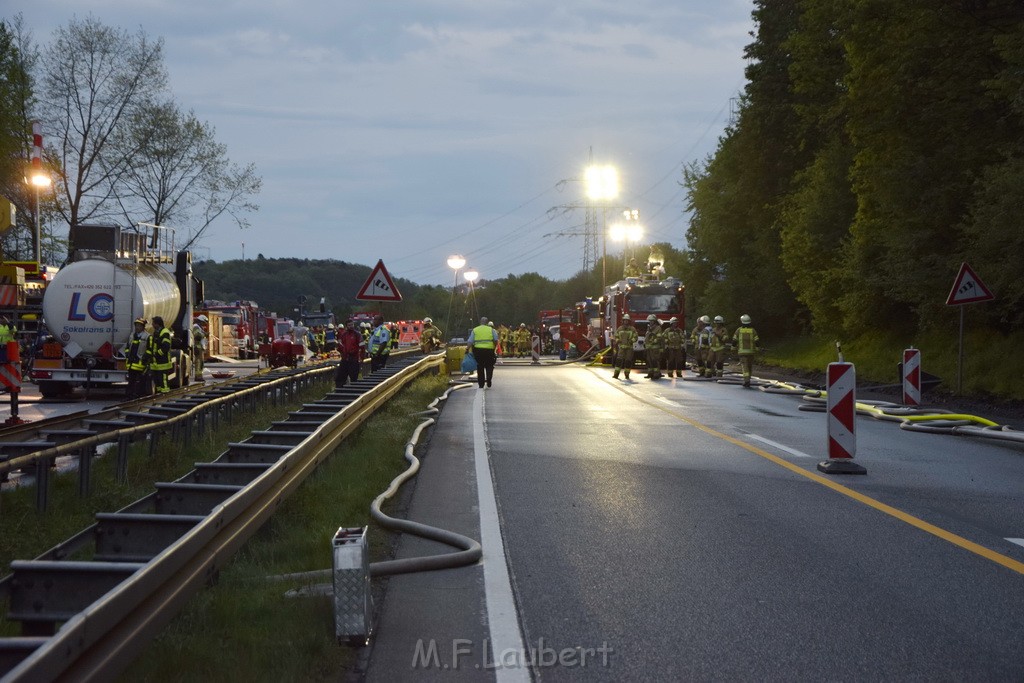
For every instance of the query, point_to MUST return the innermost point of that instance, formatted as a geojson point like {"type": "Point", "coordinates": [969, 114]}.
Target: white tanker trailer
{"type": "Point", "coordinates": [114, 276]}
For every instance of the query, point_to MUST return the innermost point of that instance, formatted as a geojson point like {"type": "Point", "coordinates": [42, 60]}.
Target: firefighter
{"type": "Point", "coordinates": [330, 339]}
{"type": "Point", "coordinates": [675, 349]}
{"type": "Point", "coordinates": [430, 337]}
{"type": "Point", "coordinates": [393, 330]}
{"type": "Point", "coordinates": [622, 345]}
{"type": "Point", "coordinates": [654, 343]}
{"type": "Point", "coordinates": [522, 341]}
{"type": "Point", "coordinates": [199, 345]}
{"type": "Point", "coordinates": [716, 354]}
{"type": "Point", "coordinates": [137, 360]}
{"type": "Point", "coordinates": [746, 341]}
{"type": "Point", "coordinates": [160, 351]}
{"type": "Point", "coordinates": [632, 269]}
{"type": "Point", "coordinates": [379, 345]}
{"type": "Point", "coordinates": [701, 339]}
{"type": "Point", "coordinates": [8, 332]}
{"type": "Point", "coordinates": [505, 339]}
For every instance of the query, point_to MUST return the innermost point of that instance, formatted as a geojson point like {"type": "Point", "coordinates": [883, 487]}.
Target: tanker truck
{"type": "Point", "coordinates": [113, 276]}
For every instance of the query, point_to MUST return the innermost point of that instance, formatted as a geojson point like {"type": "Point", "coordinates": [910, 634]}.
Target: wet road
{"type": "Point", "coordinates": [679, 530]}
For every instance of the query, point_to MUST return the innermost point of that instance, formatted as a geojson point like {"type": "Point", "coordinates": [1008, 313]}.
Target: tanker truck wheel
{"type": "Point", "coordinates": [53, 389]}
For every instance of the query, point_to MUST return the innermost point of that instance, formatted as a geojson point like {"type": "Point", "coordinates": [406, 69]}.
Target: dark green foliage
{"type": "Point", "coordinates": [878, 145]}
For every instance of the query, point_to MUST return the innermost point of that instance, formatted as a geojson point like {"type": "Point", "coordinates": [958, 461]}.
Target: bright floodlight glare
{"type": "Point", "coordinates": [471, 275]}
{"type": "Point", "coordinates": [40, 180]}
{"type": "Point", "coordinates": [602, 182]}
{"type": "Point", "coordinates": [634, 233]}
{"type": "Point", "coordinates": [456, 261]}
{"type": "Point", "coordinates": [617, 232]}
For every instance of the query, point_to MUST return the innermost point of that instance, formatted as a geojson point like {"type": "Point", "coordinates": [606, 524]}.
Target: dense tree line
{"type": "Point", "coordinates": [878, 145]}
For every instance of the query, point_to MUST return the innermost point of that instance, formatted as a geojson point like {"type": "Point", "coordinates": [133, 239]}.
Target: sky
{"type": "Point", "coordinates": [407, 131]}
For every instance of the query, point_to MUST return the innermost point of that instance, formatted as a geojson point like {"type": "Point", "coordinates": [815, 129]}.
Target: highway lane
{"type": "Point", "coordinates": [683, 526]}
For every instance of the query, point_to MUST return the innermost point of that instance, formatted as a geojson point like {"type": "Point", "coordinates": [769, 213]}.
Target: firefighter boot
{"type": "Point", "coordinates": [627, 374]}
{"type": "Point", "coordinates": [615, 375]}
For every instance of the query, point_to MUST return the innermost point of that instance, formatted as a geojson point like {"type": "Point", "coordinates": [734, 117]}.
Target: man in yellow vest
{"type": "Point", "coordinates": [160, 350]}
{"type": "Point", "coordinates": [482, 342]}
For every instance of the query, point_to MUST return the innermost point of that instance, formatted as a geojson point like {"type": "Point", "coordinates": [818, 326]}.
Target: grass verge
{"type": "Point", "coordinates": [244, 628]}
{"type": "Point", "coordinates": [26, 533]}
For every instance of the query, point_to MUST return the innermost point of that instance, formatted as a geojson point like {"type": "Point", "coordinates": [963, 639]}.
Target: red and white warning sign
{"type": "Point", "coordinates": [968, 288]}
{"type": "Point", "coordinates": [842, 410]}
{"type": "Point", "coordinates": [379, 286]}
{"type": "Point", "coordinates": [911, 377]}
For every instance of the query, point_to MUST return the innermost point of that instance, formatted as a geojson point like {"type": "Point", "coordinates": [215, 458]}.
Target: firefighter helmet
{"type": "Point", "coordinates": [522, 324]}
{"type": "Point", "coordinates": [674, 319]}
{"type": "Point", "coordinates": [745, 319]}
{"type": "Point", "coordinates": [330, 326]}
{"type": "Point", "coordinates": [140, 321]}
{"type": "Point", "coordinates": [427, 320]}
{"type": "Point", "coordinates": [626, 317]}
{"type": "Point", "coordinates": [202, 319]}
{"type": "Point", "coordinates": [704, 319]}
{"type": "Point", "coordinates": [719, 319]}
{"type": "Point", "coordinates": [652, 318]}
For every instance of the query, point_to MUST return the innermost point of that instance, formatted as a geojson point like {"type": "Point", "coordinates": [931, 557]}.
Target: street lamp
{"type": "Point", "coordinates": [472, 276]}
{"type": "Point", "coordinates": [602, 186]}
{"type": "Point", "coordinates": [630, 233]}
{"type": "Point", "coordinates": [39, 180]}
{"type": "Point", "coordinates": [455, 262]}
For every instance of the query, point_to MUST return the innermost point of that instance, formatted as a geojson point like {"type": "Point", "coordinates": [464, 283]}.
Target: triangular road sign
{"type": "Point", "coordinates": [379, 287]}
{"type": "Point", "coordinates": [968, 288]}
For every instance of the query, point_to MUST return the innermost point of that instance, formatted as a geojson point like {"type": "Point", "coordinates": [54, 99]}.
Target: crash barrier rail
{"type": "Point", "coordinates": [184, 417]}
{"type": "Point", "coordinates": [149, 558]}
{"type": "Point", "coordinates": [183, 414]}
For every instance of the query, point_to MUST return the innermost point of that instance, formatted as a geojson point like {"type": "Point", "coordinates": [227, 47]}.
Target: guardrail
{"type": "Point", "coordinates": [168, 416]}
{"type": "Point", "coordinates": [136, 597]}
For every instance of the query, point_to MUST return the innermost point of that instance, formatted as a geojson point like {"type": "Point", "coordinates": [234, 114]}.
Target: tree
{"type": "Point", "coordinates": [17, 59]}
{"type": "Point", "coordinates": [178, 173]}
{"type": "Point", "coordinates": [95, 79]}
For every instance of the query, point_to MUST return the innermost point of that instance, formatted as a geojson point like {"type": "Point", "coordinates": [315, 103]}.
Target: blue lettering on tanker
{"type": "Point", "coordinates": [100, 307]}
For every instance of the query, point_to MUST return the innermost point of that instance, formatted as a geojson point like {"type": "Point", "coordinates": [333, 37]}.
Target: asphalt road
{"type": "Point", "coordinates": [679, 530]}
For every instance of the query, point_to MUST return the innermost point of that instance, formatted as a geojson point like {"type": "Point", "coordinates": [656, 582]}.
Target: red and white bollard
{"type": "Point", "coordinates": [911, 377]}
{"type": "Point", "coordinates": [841, 386]}
{"type": "Point", "coordinates": [535, 349]}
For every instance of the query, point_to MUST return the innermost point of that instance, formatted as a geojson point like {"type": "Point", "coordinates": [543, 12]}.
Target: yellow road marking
{"type": "Point", "coordinates": [947, 536]}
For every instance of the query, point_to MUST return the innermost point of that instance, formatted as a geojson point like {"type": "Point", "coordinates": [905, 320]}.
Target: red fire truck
{"type": "Point", "coordinates": [242, 320]}
{"type": "Point", "coordinates": [639, 297]}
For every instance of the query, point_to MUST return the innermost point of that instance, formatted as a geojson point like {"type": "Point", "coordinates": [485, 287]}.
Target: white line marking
{"type": "Point", "coordinates": [502, 618]}
{"type": "Point", "coordinates": [667, 401]}
{"type": "Point", "coordinates": [1018, 541]}
{"type": "Point", "coordinates": [785, 449]}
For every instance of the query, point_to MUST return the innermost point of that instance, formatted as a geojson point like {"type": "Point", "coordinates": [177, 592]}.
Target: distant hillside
{"type": "Point", "coordinates": [277, 284]}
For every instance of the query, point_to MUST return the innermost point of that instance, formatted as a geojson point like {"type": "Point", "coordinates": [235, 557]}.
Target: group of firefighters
{"type": "Point", "coordinates": [666, 347]}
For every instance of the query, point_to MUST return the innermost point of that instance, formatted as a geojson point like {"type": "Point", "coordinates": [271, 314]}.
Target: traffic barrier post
{"type": "Point", "coordinates": [535, 349]}
{"type": "Point", "coordinates": [841, 416]}
{"type": "Point", "coordinates": [911, 377]}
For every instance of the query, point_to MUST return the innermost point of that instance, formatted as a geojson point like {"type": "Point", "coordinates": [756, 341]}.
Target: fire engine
{"type": "Point", "coordinates": [241, 320]}
{"type": "Point", "coordinates": [639, 297]}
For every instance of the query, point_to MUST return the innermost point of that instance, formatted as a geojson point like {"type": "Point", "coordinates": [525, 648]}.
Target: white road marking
{"type": "Point", "coordinates": [784, 449]}
{"type": "Point", "coordinates": [667, 401]}
{"type": "Point", "coordinates": [502, 617]}
{"type": "Point", "coordinates": [1018, 541]}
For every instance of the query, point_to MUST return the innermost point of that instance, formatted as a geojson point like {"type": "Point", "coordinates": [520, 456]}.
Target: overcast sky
{"type": "Point", "coordinates": [408, 131]}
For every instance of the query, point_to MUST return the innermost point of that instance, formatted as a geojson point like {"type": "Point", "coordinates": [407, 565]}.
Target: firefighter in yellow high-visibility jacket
{"type": "Point", "coordinates": [746, 341]}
